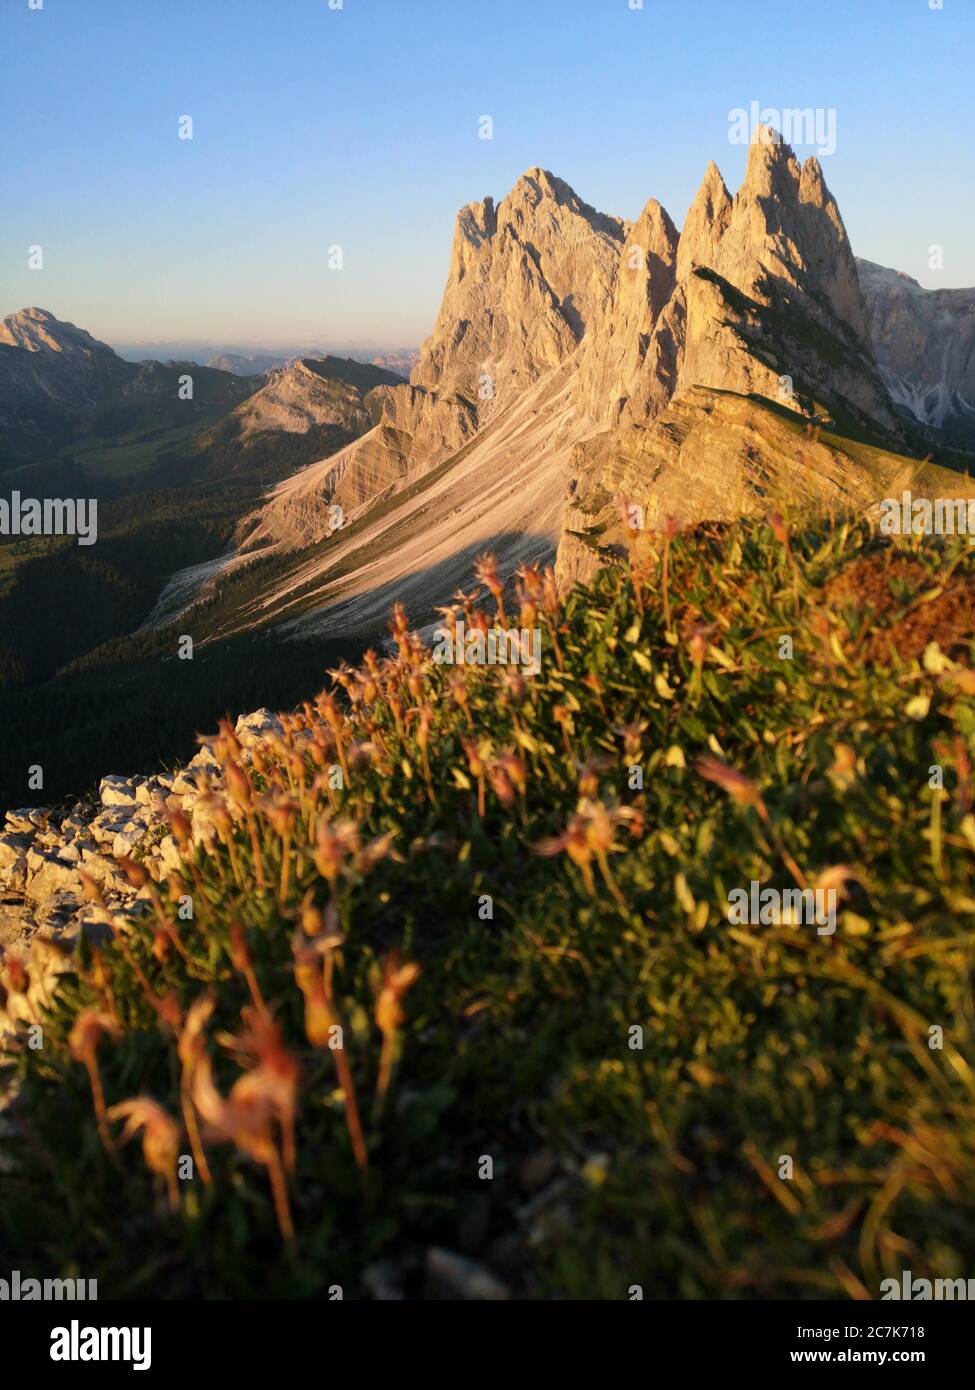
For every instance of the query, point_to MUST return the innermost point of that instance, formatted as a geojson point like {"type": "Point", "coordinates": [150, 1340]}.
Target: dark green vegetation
{"type": "Point", "coordinates": [141, 710]}
{"type": "Point", "coordinates": [612, 1165]}
{"type": "Point", "coordinates": [80, 684]}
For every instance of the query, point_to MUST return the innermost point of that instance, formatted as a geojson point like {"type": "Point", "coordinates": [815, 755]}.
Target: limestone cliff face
{"type": "Point", "coordinates": [756, 288]}
{"type": "Point", "coordinates": [925, 344]}
{"type": "Point", "coordinates": [759, 296]}
{"type": "Point", "coordinates": [528, 281]}
{"type": "Point", "coordinates": [628, 363]}
{"type": "Point", "coordinates": [577, 359]}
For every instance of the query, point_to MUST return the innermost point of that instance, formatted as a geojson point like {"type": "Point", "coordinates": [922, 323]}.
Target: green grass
{"type": "Point", "coordinates": [612, 1165]}
{"type": "Point", "coordinates": [135, 454]}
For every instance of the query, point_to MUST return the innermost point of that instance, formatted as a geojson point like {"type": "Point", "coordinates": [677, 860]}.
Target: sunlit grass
{"type": "Point", "coordinates": [436, 915]}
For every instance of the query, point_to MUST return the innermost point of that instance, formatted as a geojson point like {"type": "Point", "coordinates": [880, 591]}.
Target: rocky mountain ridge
{"type": "Point", "coordinates": [577, 357]}
{"type": "Point", "coordinates": [58, 383]}
{"type": "Point", "coordinates": [925, 345]}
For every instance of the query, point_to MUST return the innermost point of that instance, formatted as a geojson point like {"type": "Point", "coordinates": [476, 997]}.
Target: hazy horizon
{"type": "Point", "coordinates": [226, 238]}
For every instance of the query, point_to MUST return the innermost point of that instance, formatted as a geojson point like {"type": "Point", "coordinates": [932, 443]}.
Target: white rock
{"type": "Point", "coordinates": [13, 862]}
{"type": "Point", "coordinates": [47, 875]}
{"type": "Point", "coordinates": [204, 759]}
{"type": "Point", "coordinates": [116, 791]}
{"type": "Point", "coordinates": [126, 840]}
{"type": "Point", "coordinates": [169, 854]}
{"type": "Point", "coordinates": [145, 791]}
{"type": "Point", "coordinates": [187, 782]}
{"type": "Point", "coordinates": [250, 727]}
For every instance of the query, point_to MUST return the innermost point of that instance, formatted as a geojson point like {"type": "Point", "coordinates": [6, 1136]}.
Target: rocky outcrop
{"type": "Point", "coordinates": [765, 305]}
{"type": "Point", "coordinates": [758, 295]}
{"type": "Point", "coordinates": [310, 392]}
{"type": "Point", "coordinates": [46, 854]}
{"type": "Point", "coordinates": [528, 281]}
{"type": "Point", "coordinates": [925, 345]}
{"type": "Point", "coordinates": [628, 364]}
{"type": "Point", "coordinates": [568, 359]}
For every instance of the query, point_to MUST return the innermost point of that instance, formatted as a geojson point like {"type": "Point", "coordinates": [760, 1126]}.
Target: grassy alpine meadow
{"type": "Point", "coordinates": [455, 982]}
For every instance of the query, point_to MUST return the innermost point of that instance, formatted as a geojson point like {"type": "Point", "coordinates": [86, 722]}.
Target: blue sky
{"type": "Point", "coordinates": [358, 126]}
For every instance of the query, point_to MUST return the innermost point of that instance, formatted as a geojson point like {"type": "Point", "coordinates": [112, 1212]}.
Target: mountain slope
{"type": "Point", "coordinates": [925, 344]}
{"type": "Point", "coordinates": [64, 392]}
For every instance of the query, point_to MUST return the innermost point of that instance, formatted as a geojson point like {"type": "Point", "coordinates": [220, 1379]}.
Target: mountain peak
{"type": "Point", "coordinates": [34, 329]}
{"type": "Point", "coordinates": [528, 277]}
{"type": "Point", "coordinates": [705, 223]}
{"type": "Point", "coordinates": [539, 187]}
{"type": "Point", "coordinates": [772, 170]}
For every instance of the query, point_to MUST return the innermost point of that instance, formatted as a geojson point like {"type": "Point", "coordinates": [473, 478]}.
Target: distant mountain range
{"type": "Point", "coordinates": [59, 385]}
{"type": "Point", "coordinates": [252, 361]}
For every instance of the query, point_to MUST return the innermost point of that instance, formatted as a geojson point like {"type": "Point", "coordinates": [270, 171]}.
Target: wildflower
{"type": "Point", "coordinates": [373, 853]}
{"type": "Point", "coordinates": [501, 783]}
{"type": "Point", "coordinates": [334, 842]}
{"type": "Point", "coordinates": [136, 873]}
{"type": "Point", "coordinates": [478, 768]}
{"type": "Point", "coordinates": [779, 529]}
{"type": "Point", "coordinates": [323, 1026]}
{"type": "Point", "coordinates": [697, 646]}
{"type": "Point", "coordinates": [589, 778]}
{"type": "Point", "coordinates": [160, 1138]}
{"type": "Point", "coordinates": [87, 1031]}
{"type": "Point", "coordinates": [516, 687]}
{"type": "Point", "coordinates": [390, 1015]}
{"type": "Point", "coordinates": [399, 624]}
{"type": "Point", "coordinates": [632, 736]}
{"type": "Point", "coordinates": [238, 785]}
{"type": "Point", "coordinates": [532, 582]}
{"type": "Point", "coordinates": [247, 1118]}
{"type": "Point", "coordinates": [17, 976]}
{"type": "Point", "coordinates": [843, 771]}
{"type": "Point", "coordinates": [458, 690]}
{"type": "Point", "coordinates": [191, 1048]}
{"type": "Point", "coordinates": [241, 960]}
{"type": "Point", "coordinates": [262, 1041]}
{"type": "Point", "coordinates": [513, 765]}
{"type": "Point", "coordinates": [589, 835]}
{"type": "Point", "coordinates": [486, 570]}
{"type": "Point", "coordinates": [181, 828]}
{"type": "Point", "coordinates": [671, 529]}
{"type": "Point", "coordinates": [282, 813]}
{"type": "Point", "coordinates": [746, 792]}
{"type": "Point", "coordinates": [739, 787]}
